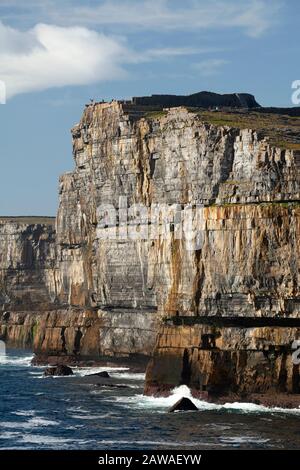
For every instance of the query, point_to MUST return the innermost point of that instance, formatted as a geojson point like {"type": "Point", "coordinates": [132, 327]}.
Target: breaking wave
{"type": "Point", "coordinates": [163, 403]}
{"type": "Point", "coordinates": [15, 360]}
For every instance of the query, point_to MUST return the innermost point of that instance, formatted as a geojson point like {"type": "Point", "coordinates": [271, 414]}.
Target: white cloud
{"type": "Point", "coordinates": [46, 55]}
{"type": "Point", "coordinates": [210, 66]}
{"type": "Point", "coordinates": [51, 56]}
{"type": "Point", "coordinates": [165, 52]}
{"type": "Point", "coordinates": [253, 17]}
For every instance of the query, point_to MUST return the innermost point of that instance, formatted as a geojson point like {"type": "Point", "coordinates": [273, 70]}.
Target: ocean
{"type": "Point", "coordinates": [65, 413]}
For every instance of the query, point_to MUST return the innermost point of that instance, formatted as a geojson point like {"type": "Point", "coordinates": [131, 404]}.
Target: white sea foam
{"type": "Point", "coordinates": [128, 375]}
{"type": "Point", "coordinates": [108, 388]}
{"type": "Point", "coordinates": [243, 440]}
{"type": "Point", "coordinates": [7, 359]}
{"type": "Point", "coordinates": [80, 413]}
{"type": "Point", "coordinates": [101, 390]}
{"type": "Point", "coordinates": [45, 440]}
{"type": "Point", "coordinates": [129, 386]}
{"type": "Point", "coordinates": [115, 372]}
{"type": "Point", "coordinates": [24, 413]}
{"type": "Point", "coordinates": [156, 443]}
{"type": "Point", "coordinates": [8, 434]}
{"type": "Point", "coordinates": [21, 447]}
{"type": "Point", "coordinates": [78, 409]}
{"type": "Point", "coordinates": [82, 371]}
{"type": "Point", "coordinates": [35, 422]}
{"type": "Point", "coordinates": [163, 403]}
{"type": "Point", "coordinates": [91, 417]}
{"type": "Point", "coordinates": [35, 373]}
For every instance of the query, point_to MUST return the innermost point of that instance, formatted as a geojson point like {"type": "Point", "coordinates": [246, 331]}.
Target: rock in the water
{"type": "Point", "coordinates": [184, 404]}
{"type": "Point", "coordinates": [103, 374]}
{"type": "Point", "coordinates": [60, 370]}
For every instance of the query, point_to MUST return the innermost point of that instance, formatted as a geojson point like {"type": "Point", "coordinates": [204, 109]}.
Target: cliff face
{"type": "Point", "coordinates": [244, 292]}
{"type": "Point", "coordinates": [176, 158]}
{"type": "Point", "coordinates": [27, 263]}
{"type": "Point", "coordinates": [228, 363]}
{"type": "Point", "coordinates": [27, 275]}
{"type": "Point", "coordinates": [215, 303]}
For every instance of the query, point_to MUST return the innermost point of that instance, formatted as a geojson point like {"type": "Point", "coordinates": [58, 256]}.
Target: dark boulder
{"type": "Point", "coordinates": [184, 404]}
{"type": "Point", "coordinates": [103, 374]}
{"type": "Point", "coordinates": [58, 371]}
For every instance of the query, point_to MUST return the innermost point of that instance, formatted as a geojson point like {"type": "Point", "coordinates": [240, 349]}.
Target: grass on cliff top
{"type": "Point", "coordinates": [30, 220]}
{"type": "Point", "coordinates": [156, 114]}
{"type": "Point", "coordinates": [282, 131]}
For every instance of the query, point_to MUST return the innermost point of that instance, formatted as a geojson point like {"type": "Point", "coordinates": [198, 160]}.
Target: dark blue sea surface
{"type": "Point", "coordinates": [63, 413]}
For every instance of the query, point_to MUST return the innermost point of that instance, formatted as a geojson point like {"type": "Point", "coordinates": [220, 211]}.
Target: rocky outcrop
{"type": "Point", "coordinates": [58, 371]}
{"type": "Point", "coordinates": [226, 304]}
{"type": "Point", "coordinates": [79, 335]}
{"type": "Point", "coordinates": [222, 362]}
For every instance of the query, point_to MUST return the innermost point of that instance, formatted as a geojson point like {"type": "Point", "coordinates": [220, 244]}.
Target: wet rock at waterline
{"type": "Point", "coordinates": [58, 371]}
{"type": "Point", "coordinates": [184, 404]}
{"type": "Point", "coordinates": [103, 374]}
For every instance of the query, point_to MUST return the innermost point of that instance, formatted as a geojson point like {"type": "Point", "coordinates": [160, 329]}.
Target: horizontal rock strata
{"type": "Point", "coordinates": [228, 363]}
{"type": "Point", "coordinates": [27, 263]}
{"type": "Point", "coordinates": [78, 335]}
{"type": "Point", "coordinates": [226, 309]}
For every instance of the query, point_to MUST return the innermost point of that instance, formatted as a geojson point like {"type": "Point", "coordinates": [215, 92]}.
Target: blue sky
{"type": "Point", "coordinates": [55, 55]}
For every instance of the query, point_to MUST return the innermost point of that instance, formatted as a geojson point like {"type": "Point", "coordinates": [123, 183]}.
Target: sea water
{"type": "Point", "coordinates": [37, 412]}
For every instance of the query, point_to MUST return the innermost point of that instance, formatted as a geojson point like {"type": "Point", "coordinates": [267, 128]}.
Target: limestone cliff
{"type": "Point", "coordinates": [214, 306]}
{"type": "Point", "coordinates": [27, 275]}
{"type": "Point", "coordinates": [27, 263]}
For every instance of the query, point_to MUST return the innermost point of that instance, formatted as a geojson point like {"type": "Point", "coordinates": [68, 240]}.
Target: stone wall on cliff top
{"type": "Point", "coordinates": [247, 265]}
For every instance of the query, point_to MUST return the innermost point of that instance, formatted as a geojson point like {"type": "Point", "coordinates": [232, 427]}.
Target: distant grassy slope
{"type": "Point", "coordinates": [29, 220]}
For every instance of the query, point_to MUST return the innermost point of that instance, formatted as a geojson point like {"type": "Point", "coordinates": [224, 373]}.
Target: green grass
{"type": "Point", "coordinates": [287, 145]}
{"type": "Point", "coordinates": [282, 131]}
{"type": "Point", "coordinates": [155, 114]}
